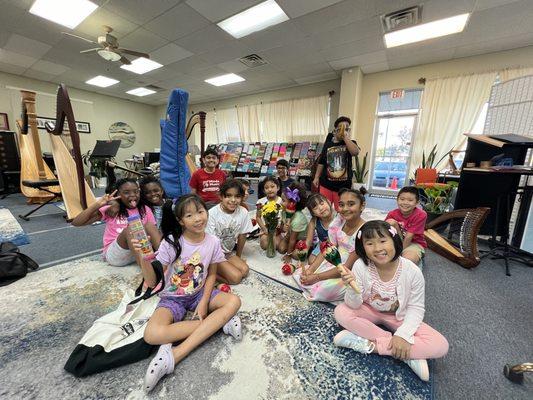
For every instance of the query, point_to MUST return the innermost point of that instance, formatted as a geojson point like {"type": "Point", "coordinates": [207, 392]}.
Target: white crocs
{"type": "Point", "coordinates": [233, 328]}
{"type": "Point", "coordinates": [162, 364]}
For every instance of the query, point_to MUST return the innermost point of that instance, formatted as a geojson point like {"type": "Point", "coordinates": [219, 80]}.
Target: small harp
{"type": "Point", "coordinates": [197, 118]}
{"type": "Point", "coordinates": [33, 167]}
{"type": "Point", "coordinates": [453, 235]}
{"type": "Point", "coordinates": [77, 195]}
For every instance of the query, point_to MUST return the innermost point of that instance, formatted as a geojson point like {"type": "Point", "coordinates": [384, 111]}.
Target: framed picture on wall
{"type": "Point", "coordinates": [4, 122]}
{"type": "Point", "coordinates": [82, 127]}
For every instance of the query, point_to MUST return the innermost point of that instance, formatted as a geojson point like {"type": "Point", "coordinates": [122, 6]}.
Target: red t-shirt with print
{"type": "Point", "coordinates": [414, 223]}
{"type": "Point", "coordinates": [207, 184]}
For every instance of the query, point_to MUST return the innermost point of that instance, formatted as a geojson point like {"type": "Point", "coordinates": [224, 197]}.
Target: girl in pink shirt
{"type": "Point", "coordinates": [114, 211]}
{"type": "Point", "coordinates": [391, 293]}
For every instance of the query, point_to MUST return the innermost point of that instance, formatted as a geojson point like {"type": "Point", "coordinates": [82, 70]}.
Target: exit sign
{"type": "Point", "coordinates": [397, 94]}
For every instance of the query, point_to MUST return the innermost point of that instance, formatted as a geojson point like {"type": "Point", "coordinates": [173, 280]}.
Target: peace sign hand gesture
{"type": "Point", "coordinates": [107, 199]}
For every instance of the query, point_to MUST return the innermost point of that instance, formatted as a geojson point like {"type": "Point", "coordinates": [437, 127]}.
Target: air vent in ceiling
{"type": "Point", "coordinates": [402, 19]}
{"type": "Point", "coordinates": [252, 61]}
{"type": "Point", "coordinates": [154, 87]}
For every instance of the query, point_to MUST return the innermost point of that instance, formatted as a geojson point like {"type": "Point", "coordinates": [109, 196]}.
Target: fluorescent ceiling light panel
{"type": "Point", "coordinates": [142, 65]}
{"type": "Point", "coordinates": [225, 79]}
{"type": "Point", "coordinates": [254, 19]}
{"type": "Point", "coordinates": [68, 13]}
{"type": "Point", "coordinates": [140, 92]}
{"type": "Point", "coordinates": [102, 81]}
{"type": "Point", "coordinates": [431, 30]}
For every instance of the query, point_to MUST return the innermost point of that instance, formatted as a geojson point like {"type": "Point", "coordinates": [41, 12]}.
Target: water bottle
{"type": "Point", "coordinates": [138, 233]}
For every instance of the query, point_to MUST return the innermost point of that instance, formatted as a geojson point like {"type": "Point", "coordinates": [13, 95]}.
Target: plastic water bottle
{"type": "Point", "coordinates": [137, 232]}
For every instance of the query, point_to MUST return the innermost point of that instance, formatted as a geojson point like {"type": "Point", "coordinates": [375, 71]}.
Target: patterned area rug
{"type": "Point", "coordinates": [286, 352]}
{"type": "Point", "coordinates": [10, 229]}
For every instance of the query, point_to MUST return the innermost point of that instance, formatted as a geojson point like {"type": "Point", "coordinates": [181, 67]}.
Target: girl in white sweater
{"type": "Point", "coordinates": [392, 295]}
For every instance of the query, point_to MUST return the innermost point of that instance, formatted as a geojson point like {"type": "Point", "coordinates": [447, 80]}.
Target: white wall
{"type": "Point", "coordinates": [99, 110]}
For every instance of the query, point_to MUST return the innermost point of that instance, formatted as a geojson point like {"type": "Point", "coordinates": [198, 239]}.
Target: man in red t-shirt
{"type": "Point", "coordinates": [410, 221]}
{"type": "Point", "coordinates": [206, 181]}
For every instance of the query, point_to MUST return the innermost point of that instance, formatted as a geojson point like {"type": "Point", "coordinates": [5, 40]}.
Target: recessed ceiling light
{"type": "Point", "coordinates": [225, 79]}
{"type": "Point", "coordinates": [254, 19]}
{"type": "Point", "coordinates": [69, 13]}
{"type": "Point", "coordinates": [441, 27]}
{"type": "Point", "coordinates": [142, 65]}
{"type": "Point", "coordinates": [140, 92]}
{"type": "Point", "coordinates": [102, 81]}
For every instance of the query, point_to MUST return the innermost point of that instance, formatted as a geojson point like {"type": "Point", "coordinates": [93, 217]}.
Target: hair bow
{"type": "Point", "coordinates": [293, 195]}
{"type": "Point", "coordinates": [393, 231]}
{"type": "Point", "coordinates": [359, 234]}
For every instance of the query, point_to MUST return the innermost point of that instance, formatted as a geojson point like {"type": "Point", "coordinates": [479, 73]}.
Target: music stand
{"type": "Point", "coordinates": [106, 148]}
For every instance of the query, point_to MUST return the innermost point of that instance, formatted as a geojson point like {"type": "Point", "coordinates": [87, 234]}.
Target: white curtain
{"type": "Point", "coordinates": [450, 107]}
{"type": "Point", "coordinates": [250, 123]}
{"type": "Point", "coordinates": [508, 74]}
{"type": "Point", "coordinates": [227, 124]}
{"type": "Point", "coordinates": [310, 119]}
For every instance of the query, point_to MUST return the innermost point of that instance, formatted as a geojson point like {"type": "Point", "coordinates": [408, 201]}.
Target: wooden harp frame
{"type": "Point", "coordinates": [196, 118]}
{"type": "Point", "coordinates": [445, 248]}
{"type": "Point", "coordinates": [64, 110]}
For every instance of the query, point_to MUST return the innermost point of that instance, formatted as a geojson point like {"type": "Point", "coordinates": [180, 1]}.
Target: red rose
{"type": "Point", "coordinates": [224, 288]}
{"type": "Point", "coordinates": [287, 269]}
{"type": "Point", "coordinates": [301, 245]}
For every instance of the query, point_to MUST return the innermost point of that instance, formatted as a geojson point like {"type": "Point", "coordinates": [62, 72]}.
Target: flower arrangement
{"type": "Point", "coordinates": [270, 214]}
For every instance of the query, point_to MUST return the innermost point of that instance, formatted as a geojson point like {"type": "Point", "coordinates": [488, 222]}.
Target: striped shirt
{"type": "Point", "coordinates": [384, 295]}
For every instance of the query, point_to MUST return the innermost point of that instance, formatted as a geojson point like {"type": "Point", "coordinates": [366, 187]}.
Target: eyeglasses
{"type": "Point", "coordinates": [345, 129]}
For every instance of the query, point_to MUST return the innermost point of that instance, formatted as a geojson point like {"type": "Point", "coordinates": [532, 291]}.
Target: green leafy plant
{"type": "Point", "coordinates": [429, 161]}
{"type": "Point", "coordinates": [437, 199]}
{"type": "Point", "coordinates": [96, 165]}
{"type": "Point", "coordinates": [360, 171]}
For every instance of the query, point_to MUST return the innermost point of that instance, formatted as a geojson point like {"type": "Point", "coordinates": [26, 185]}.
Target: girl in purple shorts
{"type": "Point", "coordinates": [189, 256]}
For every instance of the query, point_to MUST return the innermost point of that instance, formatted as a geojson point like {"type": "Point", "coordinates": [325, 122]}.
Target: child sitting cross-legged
{"type": "Point", "coordinates": [323, 215]}
{"type": "Point", "coordinates": [321, 280]}
{"type": "Point", "coordinates": [190, 257]}
{"type": "Point", "coordinates": [391, 294]}
{"type": "Point", "coordinates": [229, 221]}
{"type": "Point", "coordinates": [271, 187]}
{"type": "Point", "coordinates": [114, 209]}
{"type": "Point", "coordinates": [410, 221]}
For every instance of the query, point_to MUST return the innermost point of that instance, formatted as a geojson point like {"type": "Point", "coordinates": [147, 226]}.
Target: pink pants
{"type": "Point", "coordinates": [331, 196]}
{"type": "Point", "coordinates": [428, 342]}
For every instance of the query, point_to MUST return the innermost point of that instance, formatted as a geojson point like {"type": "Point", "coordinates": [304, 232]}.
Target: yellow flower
{"type": "Point", "coordinates": [270, 207]}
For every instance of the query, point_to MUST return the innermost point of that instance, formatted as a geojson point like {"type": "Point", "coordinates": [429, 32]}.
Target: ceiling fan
{"type": "Point", "coordinates": [109, 48]}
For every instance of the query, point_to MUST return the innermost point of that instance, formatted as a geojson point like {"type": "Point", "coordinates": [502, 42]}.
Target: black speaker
{"type": "Point", "coordinates": [9, 155]}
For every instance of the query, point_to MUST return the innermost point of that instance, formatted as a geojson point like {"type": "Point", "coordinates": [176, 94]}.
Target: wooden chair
{"type": "Point", "coordinates": [453, 235]}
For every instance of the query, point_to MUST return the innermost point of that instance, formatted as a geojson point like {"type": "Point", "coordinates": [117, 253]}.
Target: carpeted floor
{"type": "Point", "coordinates": [485, 315]}
{"type": "Point", "coordinates": [286, 351]}
{"type": "Point", "coordinates": [10, 229]}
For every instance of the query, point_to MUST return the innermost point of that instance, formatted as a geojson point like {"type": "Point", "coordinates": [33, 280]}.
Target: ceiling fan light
{"type": "Point", "coordinates": [109, 55]}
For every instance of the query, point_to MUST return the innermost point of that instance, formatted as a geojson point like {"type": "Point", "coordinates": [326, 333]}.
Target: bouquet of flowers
{"type": "Point", "coordinates": [269, 212]}
{"type": "Point", "coordinates": [332, 255]}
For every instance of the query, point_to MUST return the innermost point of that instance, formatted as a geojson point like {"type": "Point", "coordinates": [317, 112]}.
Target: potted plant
{"type": "Point", "coordinates": [360, 171]}
{"type": "Point", "coordinates": [97, 167]}
{"type": "Point", "coordinates": [436, 199]}
{"type": "Point", "coordinates": [428, 166]}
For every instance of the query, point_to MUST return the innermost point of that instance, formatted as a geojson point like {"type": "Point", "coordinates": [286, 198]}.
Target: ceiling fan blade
{"type": "Point", "coordinates": [79, 37]}
{"type": "Point", "coordinates": [125, 61]}
{"type": "Point", "coordinates": [89, 50]}
{"type": "Point", "coordinates": [134, 53]}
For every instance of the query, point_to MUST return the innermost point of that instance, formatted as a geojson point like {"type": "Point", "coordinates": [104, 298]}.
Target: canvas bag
{"type": "Point", "coordinates": [117, 338]}
{"type": "Point", "coordinates": [13, 264]}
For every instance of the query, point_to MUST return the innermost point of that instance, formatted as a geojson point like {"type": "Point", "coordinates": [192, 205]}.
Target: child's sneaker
{"type": "Point", "coordinates": [233, 328]}
{"type": "Point", "coordinates": [352, 341]}
{"type": "Point", "coordinates": [162, 364]}
{"type": "Point", "coordinates": [420, 368]}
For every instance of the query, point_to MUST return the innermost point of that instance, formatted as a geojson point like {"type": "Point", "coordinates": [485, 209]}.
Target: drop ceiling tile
{"type": "Point", "coordinates": [11, 68]}
{"type": "Point", "coordinates": [92, 26]}
{"type": "Point", "coordinates": [308, 70]}
{"type": "Point", "coordinates": [380, 7]}
{"type": "Point", "coordinates": [49, 67]}
{"type": "Point", "coordinates": [484, 4]}
{"type": "Point", "coordinates": [206, 73]}
{"type": "Point", "coordinates": [140, 11]}
{"type": "Point", "coordinates": [229, 52]}
{"type": "Point", "coordinates": [434, 10]}
{"type": "Point", "coordinates": [506, 43]}
{"type": "Point", "coordinates": [292, 55]}
{"type": "Point", "coordinates": [317, 78]}
{"type": "Point", "coordinates": [43, 76]}
{"type": "Point", "coordinates": [297, 8]}
{"type": "Point", "coordinates": [20, 60]}
{"type": "Point", "coordinates": [170, 53]}
{"type": "Point", "coordinates": [369, 27]}
{"type": "Point", "coordinates": [279, 35]}
{"type": "Point", "coordinates": [216, 10]}
{"type": "Point", "coordinates": [206, 39]}
{"type": "Point", "coordinates": [141, 81]}
{"type": "Point", "coordinates": [192, 63]}
{"type": "Point", "coordinates": [177, 22]}
{"type": "Point", "coordinates": [29, 47]}
{"type": "Point", "coordinates": [370, 58]}
{"type": "Point", "coordinates": [233, 66]}
{"type": "Point", "coordinates": [358, 47]}
{"type": "Point", "coordinates": [377, 67]}
{"type": "Point", "coordinates": [337, 15]}
{"type": "Point", "coordinates": [428, 57]}
{"type": "Point", "coordinates": [142, 40]}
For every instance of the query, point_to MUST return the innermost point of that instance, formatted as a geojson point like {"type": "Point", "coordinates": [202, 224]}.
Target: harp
{"type": "Point", "coordinates": [33, 168]}
{"type": "Point", "coordinates": [197, 118]}
{"type": "Point", "coordinates": [453, 235]}
{"type": "Point", "coordinates": [76, 192]}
